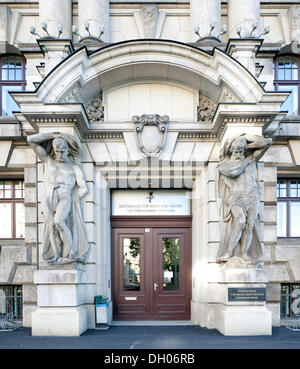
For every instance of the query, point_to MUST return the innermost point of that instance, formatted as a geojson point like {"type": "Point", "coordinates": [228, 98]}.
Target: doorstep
{"type": "Point", "coordinates": [151, 322]}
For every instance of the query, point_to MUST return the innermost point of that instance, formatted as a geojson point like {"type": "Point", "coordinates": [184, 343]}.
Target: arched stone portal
{"type": "Point", "coordinates": [78, 97]}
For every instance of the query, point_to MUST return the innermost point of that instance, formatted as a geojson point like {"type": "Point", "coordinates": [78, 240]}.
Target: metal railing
{"type": "Point", "coordinates": [290, 312]}
{"type": "Point", "coordinates": [10, 307]}
{"type": "Point", "coordinates": [9, 322]}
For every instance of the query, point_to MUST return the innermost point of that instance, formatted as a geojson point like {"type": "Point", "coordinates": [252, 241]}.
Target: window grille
{"type": "Point", "coordinates": [290, 305]}
{"type": "Point", "coordinates": [10, 307]}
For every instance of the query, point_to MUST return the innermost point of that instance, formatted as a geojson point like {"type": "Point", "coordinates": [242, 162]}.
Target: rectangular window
{"type": "Point", "coordinates": [287, 78]}
{"type": "Point", "coordinates": [291, 103]}
{"type": "Point", "coordinates": [8, 104]}
{"type": "Point", "coordinates": [288, 208]}
{"type": "Point", "coordinates": [12, 223]}
{"type": "Point", "coordinates": [287, 68]}
{"type": "Point", "coordinates": [12, 78]}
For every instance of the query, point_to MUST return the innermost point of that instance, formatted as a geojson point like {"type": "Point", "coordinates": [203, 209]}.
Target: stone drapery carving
{"type": "Point", "coordinates": [206, 109]}
{"type": "Point", "coordinates": [95, 109]}
{"type": "Point", "coordinates": [152, 142]}
{"type": "Point", "coordinates": [239, 190]}
{"type": "Point", "coordinates": [64, 239]}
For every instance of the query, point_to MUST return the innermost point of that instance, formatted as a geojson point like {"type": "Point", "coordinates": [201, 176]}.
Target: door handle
{"type": "Point", "coordinates": [155, 286]}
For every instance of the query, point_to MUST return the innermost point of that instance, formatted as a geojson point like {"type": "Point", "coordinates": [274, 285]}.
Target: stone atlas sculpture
{"type": "Point", "coordinates": [64, 239]}
{"type": "Point", "coordinates": [239, 191]}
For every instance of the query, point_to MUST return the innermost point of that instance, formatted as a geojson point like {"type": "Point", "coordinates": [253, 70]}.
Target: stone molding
{"type": "Point", "coordinates": [207, 134]}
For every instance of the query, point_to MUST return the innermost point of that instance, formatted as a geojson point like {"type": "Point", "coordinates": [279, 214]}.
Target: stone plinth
{"type": "Point", "coordinates": [67, 321]}
{"type": "Point", "coordinates": [61, 298]}
{"type": "Point", "coordinates": [243, 320]}
{"type": "Point", "coordinates": [241, 308]}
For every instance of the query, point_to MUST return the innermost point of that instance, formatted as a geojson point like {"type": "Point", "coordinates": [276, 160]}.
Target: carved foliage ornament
{"type": "Point", "coordinates": [150, 133]}
{"type": "Point", "coordinates": [95, 109]}
{"type": "Point", "coordinates": [206, 109]}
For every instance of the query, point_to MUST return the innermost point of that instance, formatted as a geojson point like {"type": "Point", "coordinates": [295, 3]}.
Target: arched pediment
{"type": "Point", "coordinates": [82, 77]}
{"type": "Point", "coordinates": [133, 61]}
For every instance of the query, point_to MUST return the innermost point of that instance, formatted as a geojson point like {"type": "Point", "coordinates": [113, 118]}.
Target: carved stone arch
{"type": "Point", "coordinates": [166, 61]}
{"type": "Point", "coordinates": [153, 59]}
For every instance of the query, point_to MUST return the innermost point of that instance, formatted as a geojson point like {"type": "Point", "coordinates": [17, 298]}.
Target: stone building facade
{"type": "Point", "coordinates": [151, 91]}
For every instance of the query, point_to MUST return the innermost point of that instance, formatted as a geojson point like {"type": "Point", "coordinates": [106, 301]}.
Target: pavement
{"type": "Point", "coordinates": [130, 338]}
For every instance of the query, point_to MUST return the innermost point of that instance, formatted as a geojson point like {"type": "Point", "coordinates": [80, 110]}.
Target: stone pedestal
{"type": "Point", "coordinates": [61, 299]}
{"type": "Point", "coordinates": [242, 302]}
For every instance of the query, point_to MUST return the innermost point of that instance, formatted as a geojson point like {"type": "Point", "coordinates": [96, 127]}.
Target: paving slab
{"type": "Point", "coordinates": [188, 337]}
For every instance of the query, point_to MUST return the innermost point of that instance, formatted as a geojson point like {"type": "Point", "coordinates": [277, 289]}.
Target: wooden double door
{"type": "Point", "coordinates": [151, 273]}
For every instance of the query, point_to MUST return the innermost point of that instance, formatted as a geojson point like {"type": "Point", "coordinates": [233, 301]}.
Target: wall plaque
{"type": "Point", "coordinates": [150, 202]}
{"type": "Point", "coordinates": [247, 294]}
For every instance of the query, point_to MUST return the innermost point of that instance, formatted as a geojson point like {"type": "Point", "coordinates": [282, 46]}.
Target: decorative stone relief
{"type": "Point", "coordinates": [149, 16]}
{"type": "Point", "coordinates": [72, 97]}
{"type": "Point", "coordinates": [95, 109]}
{"type": "Point", "coordinates": [149, 20]}
{"type": "Point", "coordinates": [150, 132]}
{"type": "Point", "coordinates": [64, 239]}
{"type": "Point", "coordinates": [239, 191]}
{"type": "Point", "coordinates": [206, 109]}
{"type": "Point", "coordinates": [228, 96]}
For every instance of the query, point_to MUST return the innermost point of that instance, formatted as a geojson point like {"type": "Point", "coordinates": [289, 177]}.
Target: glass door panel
{"type": "Point", "coordinates": [131, 279]}
{"type": "Point", "coordinates": [171, 298]}
{"type": "Point", "coordinates": [170, 263]}
{"type": "Point", "coordinates": [131, 264]}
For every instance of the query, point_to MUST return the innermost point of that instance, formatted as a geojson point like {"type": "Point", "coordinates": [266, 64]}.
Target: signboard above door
{"type": "Point", "coordinates": [150, 202]}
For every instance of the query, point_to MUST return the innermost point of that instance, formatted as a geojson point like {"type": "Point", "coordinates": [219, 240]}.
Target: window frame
{"type": "Point", "coordinates": [289, 82]}
{"type": "Point", "coordinates": [13, 201]}
{"type": "Point", "coordinates": [16, 82]}
{"type": "Point", "coordinates": [287, 199]}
